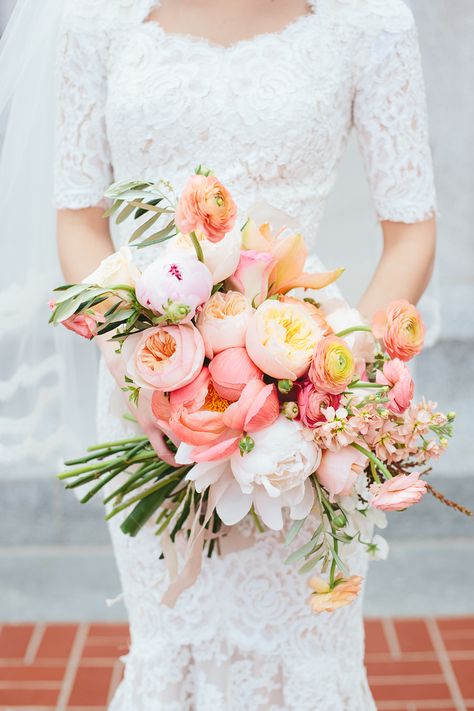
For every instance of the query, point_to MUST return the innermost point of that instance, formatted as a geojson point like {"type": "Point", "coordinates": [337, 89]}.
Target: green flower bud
{"type": "Point", "coordinates": [339, 521]}
{"type": "Point", "coordinates": [246, 445]}
{"type": "Point", "coordinates": [285, 386]}
{"type": "Point", "coordinates": [175, 312]}
{"type": "Point", "coordinates": [290, 410]}
{"type": "Point", "coordinates": [451, 416]}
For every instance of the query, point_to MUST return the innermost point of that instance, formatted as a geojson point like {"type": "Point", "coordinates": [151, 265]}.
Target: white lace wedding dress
{"type": "Point", "coordinates": [271, 116]}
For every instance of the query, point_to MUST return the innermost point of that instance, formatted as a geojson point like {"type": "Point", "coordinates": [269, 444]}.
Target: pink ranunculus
{"type": "Point", "coordinates": [397, 376]}
{"type": "Point", "coordinates": [231, 370]}
{"type": "Point", "coordinates": [398, 493]}
{"type": "Point", "coordinates": [338, 471]}
{"type": "Point", "coordinates": [173, 281]}
{"type": "Point", "coordinates": [206, 206]}
{"type": "Point", "coordinates": [310, 401]}
{"type": "Point", "coordinates": [84, 325]}
{"type": "Point", "coordinates": [223, 321]}
{"type": "Point", "coordinates": [401, 329]}
{"type": "Point", "coordinates": [165, 357]}
{"type": "Point", "coordinates": [332, 366]}
{"type": "Point", "coordinates": [252, 274]}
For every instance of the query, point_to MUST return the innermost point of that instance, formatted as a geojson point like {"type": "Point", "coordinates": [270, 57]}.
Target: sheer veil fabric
{"type": "Point", "coordinates": [43, 371]}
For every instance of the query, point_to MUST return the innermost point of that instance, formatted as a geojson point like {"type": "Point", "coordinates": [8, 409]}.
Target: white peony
{"type": "Point", "coordinates": [221, 258]}
{"type": "Point", "coordinates": [116, 269]}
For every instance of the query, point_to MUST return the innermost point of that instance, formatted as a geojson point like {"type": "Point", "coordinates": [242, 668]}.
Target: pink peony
{"type": "Point", "coordinates": [206, 206]}
{"type": "Point", "coordinates": [310, 401]}
{"type": "Point", "coordinates": [223, 321]}
{"type": "Point", "coordinates": [231, 370]}
{"type": "Point", "coordinates": [164, 358]}
{"type": "Point", "coordinates": [338, 471]}
{"type": "Point", "coordinates": [401, 329]}
{"type": "Point", "coordinates": [396, 375]}
{"type": "Point", "coordinates": [175, 285]}
{"type": "Point", "coordinates": [252, 274]}
{"type": "Point", "coordinates": [398, 493]}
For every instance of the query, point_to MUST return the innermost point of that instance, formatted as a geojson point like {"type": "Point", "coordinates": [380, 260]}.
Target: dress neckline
{"type": "Point", "coordinates": [201, 41]}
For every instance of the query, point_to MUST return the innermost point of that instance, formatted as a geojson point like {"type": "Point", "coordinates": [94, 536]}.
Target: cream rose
{"type": "Point", "coordinates": [116, 269]}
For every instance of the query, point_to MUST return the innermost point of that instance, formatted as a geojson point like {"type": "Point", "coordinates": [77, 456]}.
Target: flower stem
{"type": "Point", "coordinates": [197, 247]}
{"type": "Point", "coordinates": [370, 455]}
{"type": "Point", "coordinates": [353, 329]}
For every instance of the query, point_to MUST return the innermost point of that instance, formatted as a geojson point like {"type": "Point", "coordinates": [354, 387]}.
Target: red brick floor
{"type": "Point", "coordinates": [414, 665]}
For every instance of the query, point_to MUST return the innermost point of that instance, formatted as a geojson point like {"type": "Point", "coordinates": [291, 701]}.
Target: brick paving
{"type": "Point", "coordinates": [414, 665]}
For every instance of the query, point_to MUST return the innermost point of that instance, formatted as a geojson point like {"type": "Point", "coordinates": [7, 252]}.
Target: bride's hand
{"type": "Point", "coordinates": [142, 410]}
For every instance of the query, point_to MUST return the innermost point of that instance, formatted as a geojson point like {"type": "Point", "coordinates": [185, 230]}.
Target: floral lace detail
{"type": "Point", "coordinates": [271, 116]}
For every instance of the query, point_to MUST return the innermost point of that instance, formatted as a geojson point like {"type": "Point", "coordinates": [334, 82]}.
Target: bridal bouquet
{"type": "Point", "coordinates": [267, 404]}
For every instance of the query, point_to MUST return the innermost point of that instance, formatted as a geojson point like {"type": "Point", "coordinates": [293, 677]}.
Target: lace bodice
{"type": "Point", "coordinates": [270, 115]}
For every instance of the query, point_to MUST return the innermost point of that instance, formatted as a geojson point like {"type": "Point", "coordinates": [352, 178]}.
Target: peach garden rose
{"type": "Point", "coordinates": [223, 321]}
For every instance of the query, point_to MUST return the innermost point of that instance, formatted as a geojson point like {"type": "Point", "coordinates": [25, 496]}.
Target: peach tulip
{"type": "Point", "coordinates": [290, 253]}
{"type": "Point", "coordinates": [231, 370]}
{"type": "Point", "coordinates": [206, 206]}
{"type": "Point", "coordinates": [164, 358]}
{"type": "Point", "coordinates": [401, 328]}
{"type": "Point", "coordinates": [398, 493]}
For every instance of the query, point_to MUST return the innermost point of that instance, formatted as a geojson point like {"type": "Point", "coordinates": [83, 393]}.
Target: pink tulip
{"type": "Point", "coordinates": [175, 284]}
{"type": "Point", "coordinates": [398, 493]}
{"type": "Point", "coordinates": [339, 470]}
{"type": "Point", "coordinates": [206, 206]}
{"type": "Point", "coordinates": [164, 358]}
{"type": "Point", "coordinates": [397, 376]}
{"type": "Point", "coordinates": [252, 275]}
{"type": "Point", "coordinates": [231, 370]}
{"type": "Point", "coordinates": [310, 401]}
{"type": "Point", "coordinates": [401, 329]}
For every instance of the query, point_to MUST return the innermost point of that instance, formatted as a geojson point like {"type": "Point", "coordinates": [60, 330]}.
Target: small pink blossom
{"type": "Point", "coordinates": [396, 375]}
{"type": "Point", "coordinates": [336, 431]}
{"type": "Point", "coordinates": [84, 325]}
{"type": "Point", "coordinates": [311, 403]}
{"type": "Point", "coordinates": [398, 493]}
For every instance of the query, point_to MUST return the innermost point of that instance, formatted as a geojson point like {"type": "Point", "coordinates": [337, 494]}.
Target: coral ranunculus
{"type": "Point", "coordinates": [332, 366]}
{"type": "Point", "coordinates": [397, 376]}
{"type": "Point", "coordinates": [164, 358]}
{"type": "Point", "coordinates": [398, 493]}
{"type": "Point", "coordinates": [323, 599]}
{"type": "Point", "coordinates": [281, 338]}
{"type": "Point", "coordinates": [206, 206]}
{"type": "Point", "coordinates": [223, 321]}
{"type": "Point", "coordinates": [231, 370]}
{"type": "Point", "coordinates": [401, 328]}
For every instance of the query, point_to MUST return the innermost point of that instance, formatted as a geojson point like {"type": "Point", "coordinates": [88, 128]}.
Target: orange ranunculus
{"type": "Point", "coordinates": [290, 252]}
{"type": "Point", "coordinates": [206, 206]}
{"type": "Point", "coordinates": [401, 328]}
{"type": "Point", "coordinates": [345, 591]}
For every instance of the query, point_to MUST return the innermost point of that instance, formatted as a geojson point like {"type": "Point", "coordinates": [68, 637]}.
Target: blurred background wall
{"type": "Point", "coordinates": [46, 538]}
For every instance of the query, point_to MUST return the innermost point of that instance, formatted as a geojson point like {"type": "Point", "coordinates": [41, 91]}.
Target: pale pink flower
{"type": "Point", "coordinates": [223, 321]}
{"type": "Point", "coordinates": [206, 206]}
{"type": "Point", "coordinates": [165, 357]}
{"type": "Point", "coordinates": [385, 441]}
{"type": "Point", "coordinates": [398, 493]}
{"type": "Point", "coordinates": [231, 370]}
{"type": "Point", "coordinates": [221, 258]}
{"type": "Point", "coordinates": [336, 430]}
{"type": "Point", "coordinates": [251, 277]}
{"type": "Point", "coordinates": [397, 376]}
{"type": "Point", "coordinates": [401, 329]}
{"type": "Point", "coordinates": [338, 471]}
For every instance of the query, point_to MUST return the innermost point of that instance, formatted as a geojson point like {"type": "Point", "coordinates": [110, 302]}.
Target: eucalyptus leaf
{"type": "Point", "coordinates": [294, 530]}
{"type": "Point", "coordinates": [144, 227]}
{"type": "Point", "coordinates": [125, 213]}
{"type": "Point", "coordinates": [310, 564]}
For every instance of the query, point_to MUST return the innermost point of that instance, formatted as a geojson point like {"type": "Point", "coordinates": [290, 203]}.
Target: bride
{"type": "Point", "coordinates": [264, 92]}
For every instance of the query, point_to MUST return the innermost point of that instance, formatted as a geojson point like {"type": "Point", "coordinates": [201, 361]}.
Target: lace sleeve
{"type": "Point", "coordinates": [82, 164]}
{"type": "Point", "coordinates": [391, 122]}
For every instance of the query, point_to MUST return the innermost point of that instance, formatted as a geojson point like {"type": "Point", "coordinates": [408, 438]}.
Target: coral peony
{"type": "Point", "coordinates": [223, 321]}
{"type": "Point", "coordinates": [281, 339]}
{"type": "Point", "coordinates": [231, 370]}
{"type": "Point", "coordinates": [401, 329]}
{"type": "Point", "coordinates": [396, 375]}
{"type": "Point", "coordinates": [206, 206]}
{"type": "Point", "coordinates": [164, 358]}
{"type": "Point", "coordinates": [338, 471]}
{"type": "Point", "coordinates": [174, 285]}
{"type": "Point", "coordinates": [332, 366]}
{"type": "Point", "coordinates": [325, 599]}
{"type": "Point", "coordinates": [398, 493]}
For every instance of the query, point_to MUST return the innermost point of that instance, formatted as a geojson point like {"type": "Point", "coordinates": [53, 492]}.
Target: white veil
{"type": "Point", "coordinates": [44, 406]}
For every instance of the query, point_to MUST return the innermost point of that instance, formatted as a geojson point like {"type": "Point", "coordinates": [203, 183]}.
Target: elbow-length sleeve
{"type": "Point", "coordinates": [389, 114]}
{"type": "Point", "coordinates": [82, 161]}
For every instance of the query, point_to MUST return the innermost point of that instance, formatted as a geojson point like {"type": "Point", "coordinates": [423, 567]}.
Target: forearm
{"type": "Point", "coordinates": [405, 267]}
{"type": "Point", "coordinates": [84, 240]}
